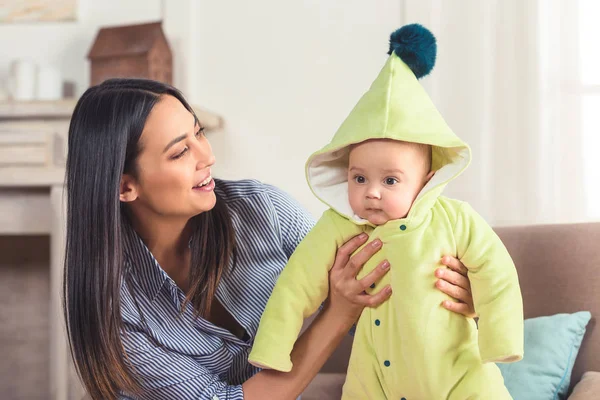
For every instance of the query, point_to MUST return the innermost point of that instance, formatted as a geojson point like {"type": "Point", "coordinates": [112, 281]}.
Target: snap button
{"type": "Point", "coordinates": [377, 322]}
{"type": "Point", "coordinates": [386, 363]}
{"type": "Point", "coordinates": [402, 227]}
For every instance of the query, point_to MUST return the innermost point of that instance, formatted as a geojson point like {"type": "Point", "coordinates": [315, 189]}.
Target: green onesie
{"type": "Point", "coordinates": [409, 347]}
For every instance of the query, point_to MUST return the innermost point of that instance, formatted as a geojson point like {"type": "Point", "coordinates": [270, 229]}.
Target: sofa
{"type": "Point", "coordinates": [559, 272]}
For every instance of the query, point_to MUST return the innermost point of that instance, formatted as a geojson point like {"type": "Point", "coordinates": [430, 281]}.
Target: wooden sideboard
{"type": "Point", "coordinates": [33, 150]}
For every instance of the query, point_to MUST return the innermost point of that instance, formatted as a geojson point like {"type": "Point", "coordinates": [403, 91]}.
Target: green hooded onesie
{"type": "Point", "coordinates": [409, 347]}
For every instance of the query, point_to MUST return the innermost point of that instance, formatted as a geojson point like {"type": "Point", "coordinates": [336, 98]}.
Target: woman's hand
{"type": "Point", "coordinates": [346, 300]}
{"type": "Point", "coordinates": [347, 294]}
{"type": "Point", "coordinates": [454, 282]}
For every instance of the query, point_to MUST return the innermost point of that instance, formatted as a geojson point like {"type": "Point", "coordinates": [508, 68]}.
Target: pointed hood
{"type": "Point", "coordinates": [395, 107]}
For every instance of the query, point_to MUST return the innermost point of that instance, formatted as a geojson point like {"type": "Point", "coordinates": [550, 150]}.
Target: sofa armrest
{"type": "Point", "coordinates": [587, 388]}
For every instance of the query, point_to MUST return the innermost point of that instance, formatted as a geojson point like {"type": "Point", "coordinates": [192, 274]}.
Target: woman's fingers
{"type": "Point", "coordinates": [454, 291]}
{"type": "Point", "coordinates": [454, 264]}
{"type": "Point", "coordinates": [343, 254]}
{"type": "Point", "coordinates": [343, 280]}
{"type": "Point", "coordinates": [374, 300]}
{"type": "Point", "coordinates": [460, 308]}
{"type": "Point", "coordinates": [454, 281]}
{"type": "Point", "coordinates": [374, 276]}
{"type": "Point", "coordinates": [346, 294]}
{"type": "Point", "coordinates": [359, 259]}
{"type": "Point", "coordinates": [454, 278]}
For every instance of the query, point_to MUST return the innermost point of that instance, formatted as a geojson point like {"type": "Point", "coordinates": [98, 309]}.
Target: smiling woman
{"type": "Point", "coordinates": [125, 144]}
{"type": "Point", "coordinates": [177, 156]}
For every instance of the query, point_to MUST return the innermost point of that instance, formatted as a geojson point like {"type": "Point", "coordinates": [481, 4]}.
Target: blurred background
{"type": "Point", "coordinates": [519, 80]}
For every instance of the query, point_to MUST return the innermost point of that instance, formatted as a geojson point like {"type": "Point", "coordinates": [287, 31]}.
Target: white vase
{"type": "Point", "coordinates": [22, 80]}
{"type": "Point", "coordinates": [49, 83]}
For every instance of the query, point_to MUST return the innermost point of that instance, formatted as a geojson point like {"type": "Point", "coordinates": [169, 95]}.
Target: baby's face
{"type": "Point", "coordinates": [384, 178]}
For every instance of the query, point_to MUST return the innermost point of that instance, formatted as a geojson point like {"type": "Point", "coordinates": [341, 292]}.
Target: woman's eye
{"type": "Point", "coordinates": [179, 155]}
{"type": "Point", "coordinates": [360, 179]}
{"type": "Point", "coordinates": [200, 132]}
{"type": "Point", "coordinates": [391, 181]}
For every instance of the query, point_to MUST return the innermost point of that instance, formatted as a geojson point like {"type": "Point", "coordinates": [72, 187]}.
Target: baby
{"type": "Point", "coordinates": [383, 173]}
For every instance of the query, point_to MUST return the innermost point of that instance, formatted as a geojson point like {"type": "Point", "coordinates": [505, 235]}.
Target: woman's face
{"type": "Point", "coordinates": [173, 167]}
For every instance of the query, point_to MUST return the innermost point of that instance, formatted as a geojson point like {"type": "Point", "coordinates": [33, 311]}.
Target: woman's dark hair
{"type": "Point", "coordinates": [104, 143]}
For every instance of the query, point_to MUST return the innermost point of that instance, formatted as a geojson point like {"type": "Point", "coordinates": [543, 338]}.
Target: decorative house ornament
{"type": "Point", "coordinates": [131, 51]}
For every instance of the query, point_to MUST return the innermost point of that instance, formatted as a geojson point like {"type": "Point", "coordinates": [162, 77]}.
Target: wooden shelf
{"type": "Point", "coordinates": [16, 110]}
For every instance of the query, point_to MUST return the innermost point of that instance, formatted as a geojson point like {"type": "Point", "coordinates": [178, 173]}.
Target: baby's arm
{"type": "Point", "coordinates": [301, 288]}
{"type": "Point", "coordinates": [495, 287]}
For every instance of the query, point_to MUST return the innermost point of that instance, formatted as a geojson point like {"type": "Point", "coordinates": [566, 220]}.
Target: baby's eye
{"type": "Point", "coordinates": [359, 179]}
{"type": "Point", "coordinates": [391, 181]}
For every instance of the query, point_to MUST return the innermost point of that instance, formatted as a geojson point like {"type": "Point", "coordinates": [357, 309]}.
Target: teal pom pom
{"type": "Point", "coordinates": [416, 46]}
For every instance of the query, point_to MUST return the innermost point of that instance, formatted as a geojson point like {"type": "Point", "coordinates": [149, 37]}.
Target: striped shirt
{"type": "Point", "coordinates": [196, 359]}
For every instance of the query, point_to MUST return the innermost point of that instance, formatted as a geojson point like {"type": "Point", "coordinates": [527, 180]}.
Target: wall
{"type": "Point", "coordinates": [66, 44]}
{"type": "Point", "coordinates": [285, 75]}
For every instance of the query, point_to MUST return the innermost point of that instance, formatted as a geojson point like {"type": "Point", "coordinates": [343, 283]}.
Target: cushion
{"type": "Point", "coordinates": [551, 347]}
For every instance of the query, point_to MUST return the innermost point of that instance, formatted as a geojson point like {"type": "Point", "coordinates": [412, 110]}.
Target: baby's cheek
{"type": "Point", "coordinates": [399, 208]}
{"type": "Point", "coordinates": [354, 204]}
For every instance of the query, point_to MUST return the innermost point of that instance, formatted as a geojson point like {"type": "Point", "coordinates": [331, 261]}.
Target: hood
{"type": "Point", "coordinates": [395, 107]}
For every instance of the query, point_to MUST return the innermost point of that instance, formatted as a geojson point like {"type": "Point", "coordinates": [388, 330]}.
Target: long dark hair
{"type": "Point", "coordinates": [104, 143]}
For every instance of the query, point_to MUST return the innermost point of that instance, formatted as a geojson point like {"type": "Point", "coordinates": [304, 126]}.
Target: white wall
{"type": "Point", "coordinates": [66, 44]}
{"type": "Point", "coordinates": [284, 74]}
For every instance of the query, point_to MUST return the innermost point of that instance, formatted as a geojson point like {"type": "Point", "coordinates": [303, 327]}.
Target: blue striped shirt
{"type": "Point", "coordinates": [196, 359]}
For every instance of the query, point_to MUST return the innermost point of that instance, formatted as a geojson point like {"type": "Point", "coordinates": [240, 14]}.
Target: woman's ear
{"type": "Point", "coordinates": [127, 189]}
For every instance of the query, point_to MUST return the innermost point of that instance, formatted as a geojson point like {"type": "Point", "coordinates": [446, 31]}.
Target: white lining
{"type": "Point", "coordinates": [328, 177]}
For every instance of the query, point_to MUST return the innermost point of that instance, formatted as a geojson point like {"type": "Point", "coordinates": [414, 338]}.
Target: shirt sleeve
{"type": "Point", "coordinates": [167, 375]}
{"type": "Point", "coordinates": [293, 219]}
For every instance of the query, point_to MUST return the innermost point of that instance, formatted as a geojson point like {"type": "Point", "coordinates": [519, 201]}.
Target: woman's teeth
{"type": "Point", "coordinates": [204, 182]}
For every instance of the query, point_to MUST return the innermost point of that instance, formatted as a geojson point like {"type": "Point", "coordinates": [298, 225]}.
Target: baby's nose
{"type": "Point", "coordinates": [373, 193]}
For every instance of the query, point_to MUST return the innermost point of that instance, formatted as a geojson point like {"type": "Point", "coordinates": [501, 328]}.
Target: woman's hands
{"type": "Point", "coordinates": [454, 281]}
{"type": "Point", "coordinates": [347, 294]}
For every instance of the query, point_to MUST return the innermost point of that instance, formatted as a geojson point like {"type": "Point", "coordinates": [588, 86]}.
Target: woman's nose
{"type": "Point", "coordinates": [204, 155]}
{"type": "Point", "coordinates": [206, 161]}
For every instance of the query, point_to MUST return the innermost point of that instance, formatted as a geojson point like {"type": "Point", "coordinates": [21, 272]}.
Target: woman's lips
{"type": "Point", "coordinates": [209, 187]}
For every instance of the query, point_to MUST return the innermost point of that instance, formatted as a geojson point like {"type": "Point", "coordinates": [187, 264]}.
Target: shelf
{"type": "Point", "coordinates": [18, 110]}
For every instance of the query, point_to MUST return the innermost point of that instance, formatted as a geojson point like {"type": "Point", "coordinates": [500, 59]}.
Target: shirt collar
{"type": "Point", "coordinates": [144, 267]}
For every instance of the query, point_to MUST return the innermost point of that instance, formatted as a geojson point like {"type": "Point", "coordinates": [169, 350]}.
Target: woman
{"type": "Point", "coordinates": [167, 271]}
